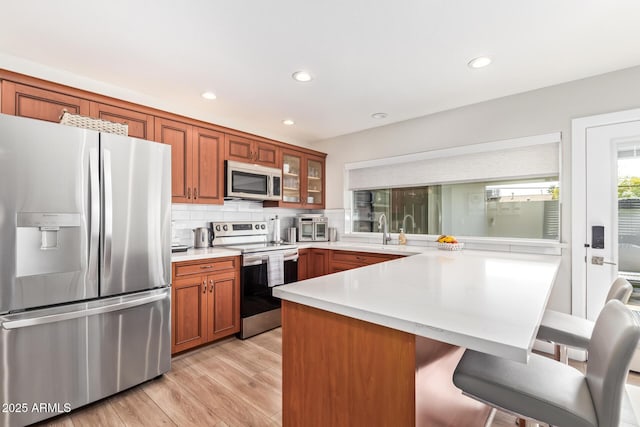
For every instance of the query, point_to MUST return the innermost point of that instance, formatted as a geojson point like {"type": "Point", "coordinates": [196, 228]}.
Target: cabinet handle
{"type": "Point", "coordinates": [195, 193]}
{"type": "Point", "coordinates": [204, 286]}
{"type": "Point", "coordinates": [188, 193]}
{"type": "Point", "coordinates": [210, 285]}
{"type": "Point", "coordinates": [206, 266]}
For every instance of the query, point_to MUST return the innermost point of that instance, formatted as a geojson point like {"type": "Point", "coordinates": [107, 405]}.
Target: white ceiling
{"type": "Point", "coordinates": [406, 58]}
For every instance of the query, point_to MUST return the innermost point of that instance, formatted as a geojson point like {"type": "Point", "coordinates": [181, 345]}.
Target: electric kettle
{"type": "Point", "coordinates": [200, 237]}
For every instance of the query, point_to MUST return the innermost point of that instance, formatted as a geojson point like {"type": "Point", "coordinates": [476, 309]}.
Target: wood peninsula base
{"type": "Point", "coordinates": [340, 371]}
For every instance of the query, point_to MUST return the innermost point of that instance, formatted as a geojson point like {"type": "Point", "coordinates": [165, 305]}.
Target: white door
{"type": "Point", "coordinates": [612, 157]}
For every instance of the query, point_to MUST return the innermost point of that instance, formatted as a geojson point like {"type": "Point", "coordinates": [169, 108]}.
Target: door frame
{"type": "Point", "coordinates": [579, 235]}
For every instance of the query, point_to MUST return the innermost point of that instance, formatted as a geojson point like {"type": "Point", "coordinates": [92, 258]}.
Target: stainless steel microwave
{"type": "Point", "coordinates": [249, 181]}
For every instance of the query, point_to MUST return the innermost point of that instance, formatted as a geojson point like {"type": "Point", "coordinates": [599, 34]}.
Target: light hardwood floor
{"type": "Point", "coordinates": [229, 383]}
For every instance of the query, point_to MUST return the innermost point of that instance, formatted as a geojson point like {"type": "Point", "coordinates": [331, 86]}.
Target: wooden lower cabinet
{"type": "Point", "coordinates": [303, 264]}
{"type": "Point", "coordinates": [205, 301]}
{"type": "Point", "coordinates": [223, 305]}
{"type": "Point", "coordinates": [346, 260]}
{"type": "Point", "coordinates": [318, 263]}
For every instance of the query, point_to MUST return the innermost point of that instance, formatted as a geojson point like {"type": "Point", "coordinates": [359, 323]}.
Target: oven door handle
{"type": "Point", "coordinates": [250, 260]}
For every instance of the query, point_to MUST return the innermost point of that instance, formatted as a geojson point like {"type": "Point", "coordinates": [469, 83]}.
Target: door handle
{"type": "Point", "coordinates": [94, 233]}
{"type": "Point", "coordinates": [204, 286]}
{"type": "Point", "coordinates": [108, 212]}
{"type": "Point", "coordinates": [43, 320]}
{"type": "Point", "coordinates": [599, 260]}
{"type": "Point", "coordinates": [210, 285]}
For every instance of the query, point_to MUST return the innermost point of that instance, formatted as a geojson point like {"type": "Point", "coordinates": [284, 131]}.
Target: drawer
{"type": "Point", "coordinates": [359, 258]}
{"type": "Point", "coordinates": [205, 267]}
{"type": "Point", "coordinates": [337, 266]}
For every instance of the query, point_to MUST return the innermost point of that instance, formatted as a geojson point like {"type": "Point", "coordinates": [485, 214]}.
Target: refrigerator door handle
{"type": "Point", "coordinates": [94, 212]}
{"type": "Point", "coordinates": [108, 212]}
{"type": "Point", "coordinates": [53, 318]}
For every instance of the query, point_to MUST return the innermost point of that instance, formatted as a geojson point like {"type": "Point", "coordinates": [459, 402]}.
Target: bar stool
{"type": "Point", "coordinates": [565, 330]}
{"type": "Point", "coordinates": [551, 392]}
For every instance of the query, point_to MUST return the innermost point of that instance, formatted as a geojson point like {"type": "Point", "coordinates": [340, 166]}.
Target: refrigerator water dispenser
{"type": "Point", "coordinates": [48, 243]}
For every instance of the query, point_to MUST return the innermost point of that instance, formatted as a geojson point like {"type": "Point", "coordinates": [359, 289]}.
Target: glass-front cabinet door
{"type": "Point", "coordinates": [315, 181]}
{"type": "Point", "coordinates": [291, 178]}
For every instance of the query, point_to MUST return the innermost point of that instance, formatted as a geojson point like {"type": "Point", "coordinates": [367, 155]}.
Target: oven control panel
{"type": "Point", "coordinates": [239, 228]}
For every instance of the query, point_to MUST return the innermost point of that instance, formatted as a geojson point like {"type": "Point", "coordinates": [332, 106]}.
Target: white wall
{"type": "Point", "coordinates": [537, 112]}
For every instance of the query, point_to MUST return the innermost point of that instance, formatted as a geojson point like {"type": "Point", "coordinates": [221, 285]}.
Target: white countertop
{"type": "Point", "coordinates": [365, 247]}
{"type": "Point", "coordinates": [195, 254]}
{"type": "Point", "coordinates": [488, 301]}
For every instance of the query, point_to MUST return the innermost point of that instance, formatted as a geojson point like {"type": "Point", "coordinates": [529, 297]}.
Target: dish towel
{"type": "Point", "coordinates": [275, 269]}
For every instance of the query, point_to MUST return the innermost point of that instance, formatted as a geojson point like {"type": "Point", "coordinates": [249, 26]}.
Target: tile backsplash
{"type": "Point", "coordinates": [186, 217]}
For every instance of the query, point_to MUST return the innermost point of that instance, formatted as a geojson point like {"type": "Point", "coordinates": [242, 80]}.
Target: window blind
{"type": "Point", "coordinates": [537, 156]}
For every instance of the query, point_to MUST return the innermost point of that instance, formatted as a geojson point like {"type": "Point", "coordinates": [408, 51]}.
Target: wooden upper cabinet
{"type": "Point", "coordinates": [140, 124]}
{"type": "Point", "coordinates": [313, 182]}
{"type": "Point", "coordinates": [303, 181]}
{"type": "Point", "coordinates": [178, 136]}
{"type": "Point", "coordinates": [27, 101]}
{"type": "Point", "coordinates": [246, 150]}
{"type": "Point", "coordinates": [197, 165]}
{"type": "Point", "coordinates": [238, 148]}
{"type": "Point", "coordinates": [208, 166]}
{"type": "Point", "coordinates": [197, 151]}
{"type": "Point", "coordinates": [266, 154]}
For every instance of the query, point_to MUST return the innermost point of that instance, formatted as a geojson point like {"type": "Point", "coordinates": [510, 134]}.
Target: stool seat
{"type": "Point", "coordinates": [564, 328]}
{"type": "Point", "coordinates": [542, 386]}
{"type": "Point", "coordinates": [558, 394]}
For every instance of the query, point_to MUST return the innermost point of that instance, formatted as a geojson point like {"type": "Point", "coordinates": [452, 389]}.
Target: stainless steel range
{"type": "Point", "coordinates": [264, 265]}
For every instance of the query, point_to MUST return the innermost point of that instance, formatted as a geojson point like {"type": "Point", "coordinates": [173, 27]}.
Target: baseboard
{"type": "Point", "coordinates": [634, 401]}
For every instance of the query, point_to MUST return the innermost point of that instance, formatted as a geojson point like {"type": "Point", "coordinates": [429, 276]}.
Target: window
{"type": "Point", "coordinates": [524, 208]}
{"type": "Point", "coordinates": [503, 189]}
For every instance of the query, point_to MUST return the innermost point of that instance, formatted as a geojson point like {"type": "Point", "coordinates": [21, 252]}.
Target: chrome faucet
{"type": "Point", "coordinates": [413, 223]}
{"type": "Point", "coordinates": [382, 225]}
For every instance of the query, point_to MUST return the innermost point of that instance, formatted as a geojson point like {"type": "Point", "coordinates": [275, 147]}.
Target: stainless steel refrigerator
{"type": "Point", "coordinates": [85, 266]}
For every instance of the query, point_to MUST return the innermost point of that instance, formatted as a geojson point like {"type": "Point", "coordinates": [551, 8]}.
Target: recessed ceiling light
{"type": "Point", "coordinates": [379, 115]}
{"type": "Point", "coordinates": [302, 76]}
{"type": "Point", "coordinates": [288, 122]}
{"type": "Point", "coordinates": [479, 62]}
{"type": "Point", "coordinates": [208, 95]}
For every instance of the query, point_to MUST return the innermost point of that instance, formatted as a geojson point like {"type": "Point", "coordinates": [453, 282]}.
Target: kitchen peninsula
{"type": "Point", "coordinates": [377, 345]}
